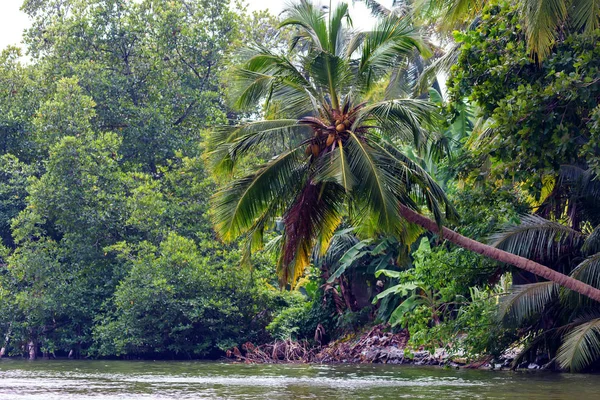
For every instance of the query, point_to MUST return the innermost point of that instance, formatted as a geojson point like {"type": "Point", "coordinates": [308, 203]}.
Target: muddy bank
{"type": "Point", "coordinates": [377, 345]}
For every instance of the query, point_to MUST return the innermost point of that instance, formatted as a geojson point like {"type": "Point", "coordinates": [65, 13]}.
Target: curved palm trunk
{"type": "Point", "coordinates": [501, 255]}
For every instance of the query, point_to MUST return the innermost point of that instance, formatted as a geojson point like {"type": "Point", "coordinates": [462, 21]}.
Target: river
{"type": "Point", "coordinates": [108, 380]}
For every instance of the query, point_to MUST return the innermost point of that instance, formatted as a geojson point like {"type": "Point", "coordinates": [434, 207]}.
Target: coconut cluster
{"type": "Point", "coordinates": [326, 136]}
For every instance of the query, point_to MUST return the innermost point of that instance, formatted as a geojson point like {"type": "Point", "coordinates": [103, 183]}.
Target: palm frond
{"type": "Point", "coordinates": [270, 77]}
{"type": "Point", "coordinates": [580, 347]}
{"type": "Point", "coordinates": [592, 242]}
{"type": "Point", "coordinates": [227, 143]}
{"type": "Point", "coordinates": [252, 87]}
{"type": "Point", "coordinates": [336, 29]}
{"type": "Point", "coordinates": [312, 19]}
{"type": "Point", "coordinates": [381, 48]}
{"type": "Point", "coordinates": [437, 67]}
{"type": "Point", "coordinates": [525, 301]}
{"type": "Point", "coordinates": [239, 203]}
{"type": "Point", "coordinates": [402, 79]}
{"type": "Point", "coordinates": [376, 185]}
{"type": "Point", "coordinates": [584, 180]}
{"type": "Point", "coordinates": [342, 240]}
{"type": "Point", "coordinates": [334, 167]}
{"type": "Point", "coordinates": [377, 9]}
{"type": "Point", "coordinates": [451, 13]}
{"type": "Point", "coordinates": [401, 119]}
{"type": "Point", "coordinates": [537, 238]}
{"type": "Point", "coordinates": [588, 271]}
{"type": "Point", "coordinates": [418, 183]}
{"type": "Point", "coordinates": [329, 72]}
{"type": "Point", "coordinates": [262, 59]}
{"type": "Point", "coordinates": [542, 19]}
{"type": "Point", "coordinates": [586, 15]}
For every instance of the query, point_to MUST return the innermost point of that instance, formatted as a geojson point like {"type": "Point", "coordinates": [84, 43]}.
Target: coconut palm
{"type": "Point", "coordinates": [543, 20]}
{"type": "Point", "coordinates": [339, 147]}
{"type": "Point", "coordinates": [335, 150]}
{"type": "Point", "coordinates": [566, 324]}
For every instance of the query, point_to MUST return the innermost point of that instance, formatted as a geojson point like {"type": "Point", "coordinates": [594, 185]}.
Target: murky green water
{"type": "Point", "coordinates": [103, 380]}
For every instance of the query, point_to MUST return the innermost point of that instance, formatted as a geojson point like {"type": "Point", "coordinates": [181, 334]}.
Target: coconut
{"type": "Point", "coordinates": [330, 139]}
{"type": "Point", "coordinates": [315, 149]}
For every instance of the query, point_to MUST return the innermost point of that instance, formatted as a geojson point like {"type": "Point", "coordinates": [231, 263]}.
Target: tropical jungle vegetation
{"type": "Point", "coordinates": [181, 177]}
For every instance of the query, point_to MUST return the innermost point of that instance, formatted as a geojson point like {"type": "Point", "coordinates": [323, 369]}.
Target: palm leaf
{"type": "Point", "coordinates": [305, 14]}
{"type": "Point", "coordinates": [234, 141]}
{"type": "Point", "coordinates": [329, 72]}
{"type": "Point", "coordinates": [273, 78]}
{"type": "Point", "coordinates": [451, 13]}
{"type": "Point", "coordinates": [588, 271]}
{"type": "Point", "coordinates": [585, 14]}
{"type": "Point", "coordinates": [238, 205]}
{"type": "Point", "coordinates": [418, 183]}
{"type": "Point", "coordinates": [342, 240]}
{"type": "Point", "coordinates": [440, 65]}
{"type": "Point", "coordinates": [381, 49]}
{"type": "Point", "coordinates": [525, 301]}
{"type": "Point", "coordinates": [336, 32]}
{"type": "Point", "coordinates": [334, 167]}
{"type": "Point", "coordinates": [537, 238]}
{"type": "Point", "coordinates": [252, 87]}
{"type": "Point", "coordinates": [400, 118]}
{"type": "Point", "coordinates": [542, 18]}
{"type": "Point", "coordinates": [592, 242]}
{"type": "Point", "coordinates": [377, 9]}
{"type": "Point", "coordinates": [377, 186]}
{"type": "Point", "coordinates": [580, 347]}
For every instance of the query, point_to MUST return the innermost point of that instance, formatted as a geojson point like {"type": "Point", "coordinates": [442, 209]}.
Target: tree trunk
{"type": "Point", "coordinates": [4, 348]}
{"type": "Point", "coordinates": [501, 255]}
{"type": "Point", "coordinates": [32, 349]}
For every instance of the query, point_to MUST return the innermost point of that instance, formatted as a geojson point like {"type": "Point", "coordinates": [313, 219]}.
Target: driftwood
{"type": "Point", "coordinates": [286, 351]}
{"type": "Point", "coordinates": [378, 345]}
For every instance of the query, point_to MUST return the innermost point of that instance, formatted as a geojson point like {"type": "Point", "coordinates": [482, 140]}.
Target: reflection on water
{"type": "Point", "coordinates": [104, 380]}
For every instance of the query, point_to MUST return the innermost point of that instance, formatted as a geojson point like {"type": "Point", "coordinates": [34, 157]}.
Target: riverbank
{"type": "Point", "coordinates": [375, 346]}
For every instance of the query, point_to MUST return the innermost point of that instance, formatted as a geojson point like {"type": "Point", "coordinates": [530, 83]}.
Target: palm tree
{"type": "Point", "coordinates": [338, 155]}
{"type": "Point", "coordinates": [566, 324]}
{"type": "Point", "coordinates": [543, 20]}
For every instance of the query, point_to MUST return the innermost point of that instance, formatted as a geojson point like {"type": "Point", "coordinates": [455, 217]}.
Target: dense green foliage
{"type": "Point", "coordinates": [558, 99]}
{"type": "Point", "coordinates": [108, 248]}
{"type": "Point", "coordinates": [168, 188]}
